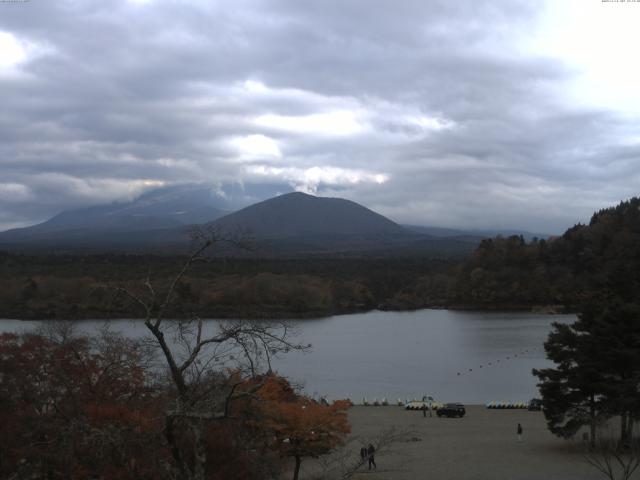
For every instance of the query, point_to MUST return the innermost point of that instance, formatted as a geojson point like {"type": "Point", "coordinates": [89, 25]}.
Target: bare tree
{"type": "Point", "coordinates": [346, 463]}
{"type": "Point", "coordinates": [197, 354]}
{"type": "Point", "coordinates": [614, 459]}
{"type": "Point", "coordinates": [57, 331]}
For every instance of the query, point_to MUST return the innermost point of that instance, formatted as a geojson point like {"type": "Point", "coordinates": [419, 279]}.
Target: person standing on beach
{"type": "Point", "coordinates": [371, 451]}
{"type": "Point", "coordinates": [519, 432]}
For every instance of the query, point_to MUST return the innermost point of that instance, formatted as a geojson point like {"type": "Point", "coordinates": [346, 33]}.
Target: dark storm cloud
{"type": "Point", "coordinates": [429, 112]}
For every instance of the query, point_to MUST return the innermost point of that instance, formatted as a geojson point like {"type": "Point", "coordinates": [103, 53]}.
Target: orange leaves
{"type": "Point", "coordinates": [101, 415]}
{"type": "Point", "coordinates": [276, 389]}
{"type": "Point", "coordinates": [75, 407]}
{"type": "Point", "coordinates": [300, 425]}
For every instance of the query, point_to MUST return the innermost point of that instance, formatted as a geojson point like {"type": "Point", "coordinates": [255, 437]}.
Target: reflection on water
{"type": "Point", "coordinates": [471, 357]}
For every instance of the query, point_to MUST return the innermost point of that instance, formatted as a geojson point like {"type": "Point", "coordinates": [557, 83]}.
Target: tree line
{"type": "Point", "coordinates": [568, 271]}
{"type": "Point", "coordinates": [76, 287]}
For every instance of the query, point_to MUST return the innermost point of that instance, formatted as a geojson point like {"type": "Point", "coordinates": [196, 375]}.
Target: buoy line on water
{"type": "Point", "coordinates": [493, 405]}
{"type": "Point", "coordinates": [508, 357]}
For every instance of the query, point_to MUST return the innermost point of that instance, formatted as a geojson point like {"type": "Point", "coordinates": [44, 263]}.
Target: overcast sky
{"type": "Point", "coordinates": [466, 113]}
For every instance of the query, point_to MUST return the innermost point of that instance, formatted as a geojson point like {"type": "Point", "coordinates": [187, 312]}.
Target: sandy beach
{"type": "Point", "coordinates": [481, 446]}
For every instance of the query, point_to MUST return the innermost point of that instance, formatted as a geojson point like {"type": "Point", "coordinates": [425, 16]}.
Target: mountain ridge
{"type": "Point", "coordinates": [161, 209]}
{"type": "Point", "coordinates": [290, 224]}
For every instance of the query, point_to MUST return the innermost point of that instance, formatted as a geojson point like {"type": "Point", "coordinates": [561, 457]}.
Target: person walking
{"type": "Point", "coordinates": [372, 461]}
{"type": "Point", "coordinates": [519, 432]}
{"type": "Point", "coordinates": [363, 454]}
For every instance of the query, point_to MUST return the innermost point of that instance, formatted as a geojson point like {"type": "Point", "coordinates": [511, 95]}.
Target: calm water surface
{"type": "Point", "coordinates": [470, 357]}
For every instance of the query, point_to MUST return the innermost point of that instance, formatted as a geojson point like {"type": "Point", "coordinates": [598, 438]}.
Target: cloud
{"type": "Point", "coordinates": [310, 180]}
{"type": "Point", "coordinates": [14, 193]}
{"type": "Point", "coordinates": [334, 123]}
{"type": "Point", "coordinates": [256, 146]}
{"type": "Point", "coordinates": [11, 52]}
{"type": "Point", "coordinates": [468, 113]}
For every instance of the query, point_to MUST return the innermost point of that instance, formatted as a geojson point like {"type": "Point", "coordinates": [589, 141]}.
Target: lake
{"type": "Point", "coordinates": [469, 357]}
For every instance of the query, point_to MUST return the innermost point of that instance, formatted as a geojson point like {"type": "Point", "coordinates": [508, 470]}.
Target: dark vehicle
{"type": "Point", "coordinates": [535, 405]}
{"type": "Point", "coordinates": [451, 410]}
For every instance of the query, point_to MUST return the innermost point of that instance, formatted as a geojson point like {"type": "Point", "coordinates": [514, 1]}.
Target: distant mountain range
{"type": "Point", "coordinates": [292, 224]}
{"type": "Point", "coordinates": [166, 210]}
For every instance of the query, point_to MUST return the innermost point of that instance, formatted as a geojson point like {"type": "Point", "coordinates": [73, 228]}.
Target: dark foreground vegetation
{"type": "Point", "coordinates": [77, 407]}
{"type": "Point", "coordinates": [555, 274]}
{"type": "Point", "coordinates": [597, 371]}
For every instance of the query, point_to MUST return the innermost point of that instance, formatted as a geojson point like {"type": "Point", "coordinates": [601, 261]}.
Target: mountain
{"type": "Point", "coordinates": [165, 210]}
{"type": "Point", "coordinates": [295, 215]}
{"type": "Point", "coordinates": [289, 225]}
{"type": "Point", "coordinates": [301, 225]}
{"type": "Point", "coordinates": [157, 220]}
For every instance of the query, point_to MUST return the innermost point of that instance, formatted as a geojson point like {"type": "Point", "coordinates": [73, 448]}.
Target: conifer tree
{"type": "Point", "coordinates": [597, 373]}
{"type": "Point", "coordinates": [571, 391]}
{"type": "Point", "coordinates": [617, 330]}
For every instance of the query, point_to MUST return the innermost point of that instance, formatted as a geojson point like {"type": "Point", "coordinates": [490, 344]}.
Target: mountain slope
{"type": "Point", "coordinates": [161, 209]}
{"type": "Point", "coordinates": [290, 225]}
{"type": "Point", "coordinates": [295, 215]}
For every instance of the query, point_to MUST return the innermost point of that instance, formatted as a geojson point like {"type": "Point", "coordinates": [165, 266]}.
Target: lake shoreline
{"type": "Point", "coordinates": [232, 314]}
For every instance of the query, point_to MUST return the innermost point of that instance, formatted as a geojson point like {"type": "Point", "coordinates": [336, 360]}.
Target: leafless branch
{"type": "Point", "coordinates": [614, 460]}
{"type": "Point", "coordinates": [196, 355]}
{"type": "Point", "coordinates": [346, 463]}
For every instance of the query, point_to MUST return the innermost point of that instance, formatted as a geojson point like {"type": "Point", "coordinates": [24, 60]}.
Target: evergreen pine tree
{"type": "Point", "coordinates": [597, 373]}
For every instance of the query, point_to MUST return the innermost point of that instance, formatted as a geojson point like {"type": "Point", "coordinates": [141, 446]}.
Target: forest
{"type": "Point", "coordinates": [74, 287]}
{"type": "Point", "coordinates": [587, 262]}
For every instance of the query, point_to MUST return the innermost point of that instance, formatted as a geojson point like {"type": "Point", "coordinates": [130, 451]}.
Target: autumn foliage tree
{"type": "Point", "coordinates": [300, 426]}
{"type": "Point", "coordinates": [80, 407]}
{"type": "Point", "coordinates": [74, 408]}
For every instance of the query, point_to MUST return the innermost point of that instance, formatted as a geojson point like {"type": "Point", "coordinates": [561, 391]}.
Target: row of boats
{"type": "Point", "coordinates": [429, 403]}
{"type": "Point", "coordinates": [510, 405]}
